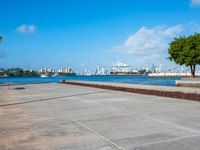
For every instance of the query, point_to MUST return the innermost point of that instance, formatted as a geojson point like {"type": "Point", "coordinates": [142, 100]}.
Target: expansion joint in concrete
{"type": "Point", "coordinates": [88, 128]}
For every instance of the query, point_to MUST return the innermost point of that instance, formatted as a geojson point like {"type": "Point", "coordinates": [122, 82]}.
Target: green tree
{"type": "Point", "coordinates": [186, 51]}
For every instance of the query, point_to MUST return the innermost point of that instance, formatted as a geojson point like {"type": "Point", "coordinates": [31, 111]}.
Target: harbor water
{"type": "Point", "coordinates": [131, 79]}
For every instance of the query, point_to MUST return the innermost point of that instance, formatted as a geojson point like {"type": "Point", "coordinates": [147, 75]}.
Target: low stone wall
{"type": "Point", "coordinates": [173, 92]}
{"type": "Point", "coordinates": [188, 83]}
{"type": "Point", "coordinates": [172, 75]}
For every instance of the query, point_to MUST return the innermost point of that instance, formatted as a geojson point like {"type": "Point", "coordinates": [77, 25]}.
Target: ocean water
{"type": "Point", "coordinates": [131, 79]}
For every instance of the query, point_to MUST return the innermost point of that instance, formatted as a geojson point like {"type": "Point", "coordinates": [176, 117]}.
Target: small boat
{"type": "Point", "coordinates": [44, 76]}
{"type": "Point", "coordinates": [55, 75]}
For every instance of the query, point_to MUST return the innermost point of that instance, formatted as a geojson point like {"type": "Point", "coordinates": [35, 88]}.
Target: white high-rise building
{"type": "Point", "coordinates": [65, 70]}
{"type": "Point", "coordinates": [46, 70]}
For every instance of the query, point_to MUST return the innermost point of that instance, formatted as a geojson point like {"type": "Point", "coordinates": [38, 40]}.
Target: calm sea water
{"type": "Point", "coordinates": [132, 79]}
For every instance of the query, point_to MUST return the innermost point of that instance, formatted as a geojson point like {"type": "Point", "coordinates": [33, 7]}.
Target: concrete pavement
{"type": "Point", "coordinates": [190, 93]}
{"type": "Point", "coordinates": [59, 116]}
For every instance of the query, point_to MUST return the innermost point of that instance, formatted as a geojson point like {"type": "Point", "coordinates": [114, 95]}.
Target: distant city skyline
{"type": "Point", "coordinates": [84, 34]}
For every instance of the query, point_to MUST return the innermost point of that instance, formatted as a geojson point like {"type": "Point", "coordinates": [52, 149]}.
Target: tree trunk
{"type": "Point", "coordinates": [193, 69]}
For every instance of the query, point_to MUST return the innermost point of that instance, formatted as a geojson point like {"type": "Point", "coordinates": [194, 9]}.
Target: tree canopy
{"type": "Point", "coordinates": [186, 51]}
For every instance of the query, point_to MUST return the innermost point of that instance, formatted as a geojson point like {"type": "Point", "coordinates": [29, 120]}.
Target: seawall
{"type": "Point", "coordinates": [165, 91]}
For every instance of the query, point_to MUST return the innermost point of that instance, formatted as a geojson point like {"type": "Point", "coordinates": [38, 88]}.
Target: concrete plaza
{"type": "Point", "coordinates": [61, 116]}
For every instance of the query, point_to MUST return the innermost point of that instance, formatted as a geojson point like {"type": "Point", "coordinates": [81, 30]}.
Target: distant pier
{"type": "Point", "coordinates": [166, 75]}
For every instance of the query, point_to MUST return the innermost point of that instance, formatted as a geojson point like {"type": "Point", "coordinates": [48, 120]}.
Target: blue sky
{"type": "Point", "coordinates": [85, 33]}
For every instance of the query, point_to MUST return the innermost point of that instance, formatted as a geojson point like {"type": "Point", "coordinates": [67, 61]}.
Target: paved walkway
{"type": "Point", "coordinates": [60, 116]}
{"type": "Point", "coordinates": [140, 86]}
{"type": "Point", "coordinates": [190, 93]}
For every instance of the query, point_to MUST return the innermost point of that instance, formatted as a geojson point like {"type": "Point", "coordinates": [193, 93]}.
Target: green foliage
{"type": "Point", "coordinates": [17, 72]}
{"type": "Point", "coordinates": [141, 71]}
{"type": "Point", "coordinates": [2, 71]}
{"type": "Point", "coordinates": [186, 51]}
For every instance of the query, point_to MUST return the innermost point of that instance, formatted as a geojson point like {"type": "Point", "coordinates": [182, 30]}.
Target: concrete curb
{"type": "Point", "coordinates": [185, 83]}
{"type": "Point", "coordinates": [173, 92]}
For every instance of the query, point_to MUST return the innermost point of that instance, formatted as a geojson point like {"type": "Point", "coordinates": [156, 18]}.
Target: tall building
{"type": "Point", "coordinates": [65, 70]}
{"type": "Point", "coordinates": [46, 70]}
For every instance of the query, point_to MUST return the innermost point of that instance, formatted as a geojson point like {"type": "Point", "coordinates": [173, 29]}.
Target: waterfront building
{"type": "Point", "coordinates": [87, 72]}
{"type": "Point", "coordinates": [65, 70]}
{"type": "Point", "coordinates": [153, 68]}
{"type": "Point", "coordinates": [101, 71]}
{"type": "Point", "coordinates": [97, 71]}
{"type": "Point", "coordinates": [46, 70]}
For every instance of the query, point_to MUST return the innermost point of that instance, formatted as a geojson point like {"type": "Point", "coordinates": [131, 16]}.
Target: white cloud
{"type": "Point", "coordinates": [26, 29]}
{"type": "Point", "coordinates": [146, 41]}
{"type": "Point", "coordinates": [195, 2]}
{"type": "Point", "coordinates": [150, 45]}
